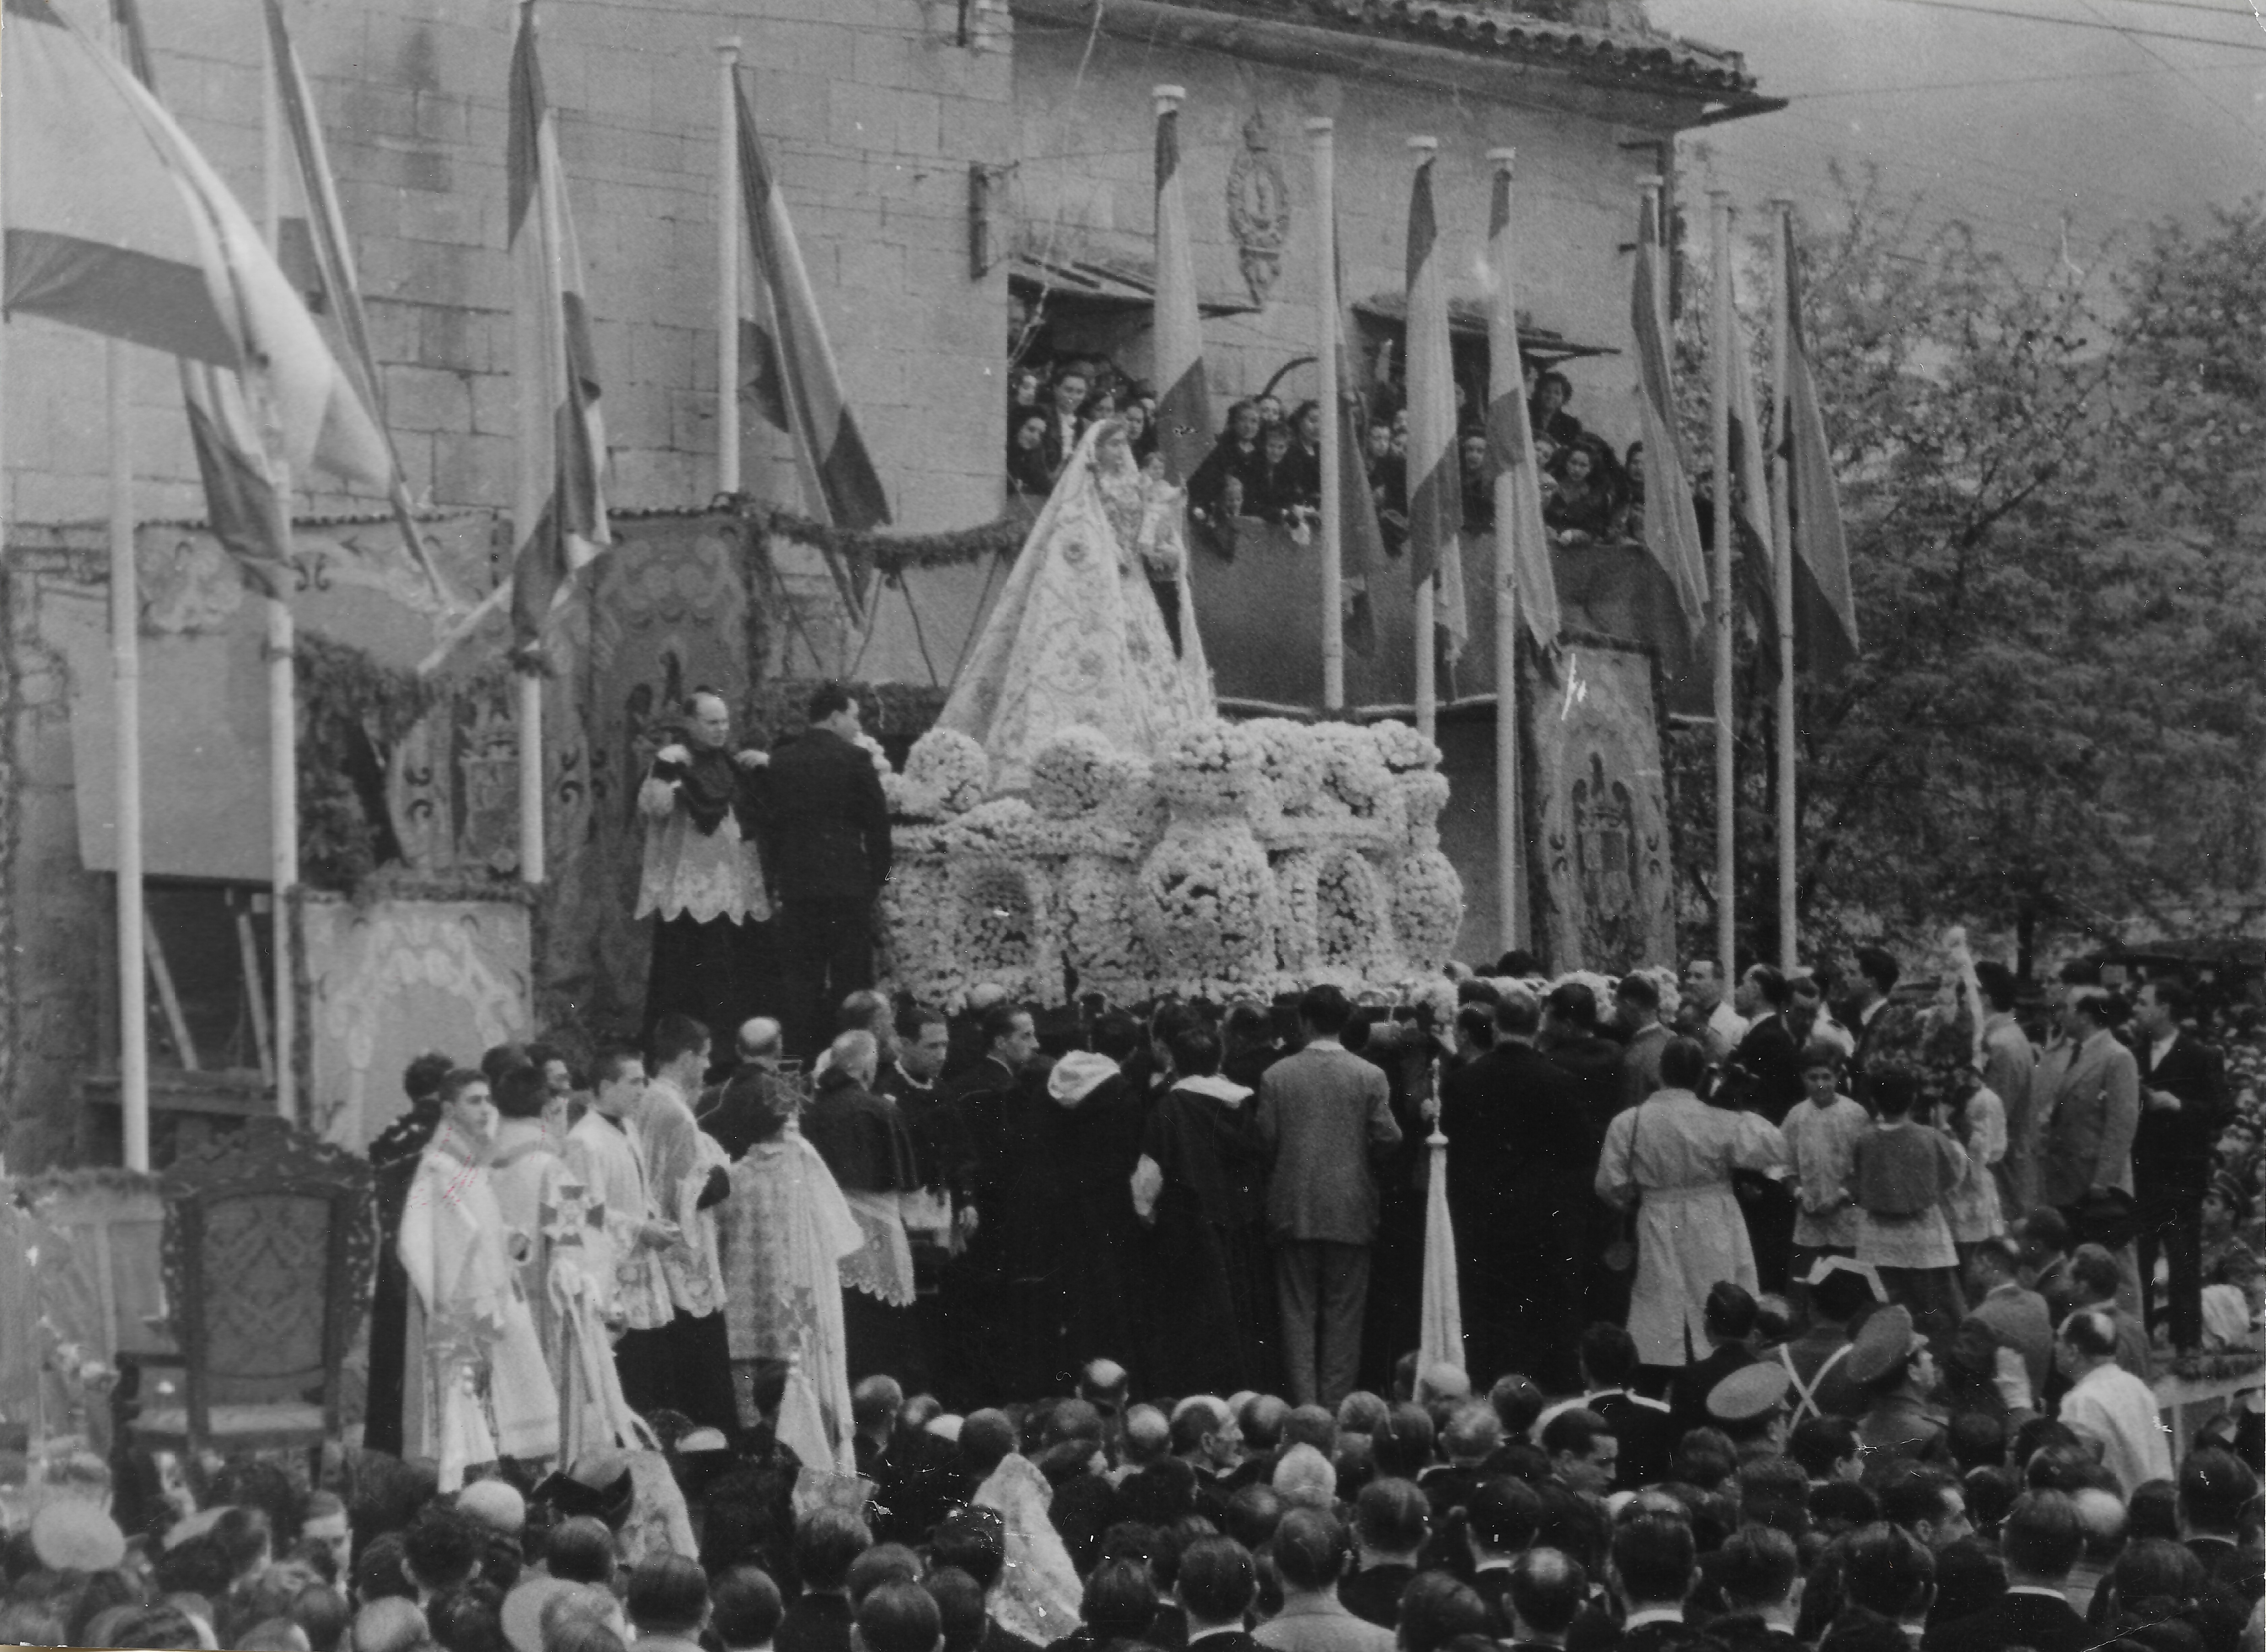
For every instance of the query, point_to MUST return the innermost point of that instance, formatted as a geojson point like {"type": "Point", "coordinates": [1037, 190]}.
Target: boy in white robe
{"type": "Point", "coordinates": [486, 1391]}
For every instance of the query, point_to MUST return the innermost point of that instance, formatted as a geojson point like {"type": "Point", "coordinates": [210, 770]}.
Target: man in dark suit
{"type": "Point", "coordinates": [1522, 1153]}
{"type": "Point", "coordinates": [974, 1130]}
{"type": "Point", "coordinates": [2039, 1542]}
{"type": "Point", "coordinates": [2182, 1103]}
{"type": "Point", "coordinates": [2215, 1486]}
{"type": "Point", "coordinates": [826, 851]}
{"type": "Point", "coordinates": [1766, 1073]}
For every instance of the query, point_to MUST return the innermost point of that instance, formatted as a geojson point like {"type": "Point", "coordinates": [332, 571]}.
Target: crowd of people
{"type": "Point", "coordinates": [1094, 1332]}
{"type": "Point", "coordinates": [1265, 464]}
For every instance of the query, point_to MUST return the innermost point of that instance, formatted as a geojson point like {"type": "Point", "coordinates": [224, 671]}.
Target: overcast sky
{"type": "Point", "coordinates": [2091, 113]}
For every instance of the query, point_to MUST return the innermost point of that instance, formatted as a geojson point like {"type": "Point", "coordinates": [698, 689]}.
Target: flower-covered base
{"type": "Point", "coordinates": [1248, 859]}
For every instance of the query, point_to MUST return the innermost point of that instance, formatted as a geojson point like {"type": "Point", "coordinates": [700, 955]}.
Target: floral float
{"type": "Point", "coordinates": [1247, 859]}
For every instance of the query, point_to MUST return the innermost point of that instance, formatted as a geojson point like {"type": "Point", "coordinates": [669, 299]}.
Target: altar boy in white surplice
{"type": "Point", "coordinates": [565, 1271]}
{"type": "Point", "coordinates": [483, 1387]}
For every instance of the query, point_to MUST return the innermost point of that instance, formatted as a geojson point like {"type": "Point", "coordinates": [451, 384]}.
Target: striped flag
{"type": "Point", "coordinates": [1825, 608]}
{"type": "Point", "coordinates": [797, 385]}
{"type": "Point", "coordinates": [334, 259]}
{"type": "Point", "coordinates": [1671, 532]}
{"type": "Point", "coordinates": [1510, 437]}
{"type": "Point", "coordinates": [1751, 527]}
{"type": "Point", "coordinates": [1184, 433]}
{"type": "Point", "coordinates": [116, 223]}
{"type": "Point", "coordinates": [561, 489]}
{"type": "Point", "coordinates": [1436, 502]}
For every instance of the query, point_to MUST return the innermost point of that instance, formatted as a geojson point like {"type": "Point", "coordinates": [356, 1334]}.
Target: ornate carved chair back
{"type": "Point", "coordinates": [270, 1238]}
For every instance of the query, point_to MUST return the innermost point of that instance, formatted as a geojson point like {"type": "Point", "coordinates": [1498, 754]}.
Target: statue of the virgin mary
{"type": "Point", "coordinates": [1079, 634]}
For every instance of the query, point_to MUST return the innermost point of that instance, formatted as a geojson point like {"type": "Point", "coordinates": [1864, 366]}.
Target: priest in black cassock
{"type": "Point", "coordinates": [864, 1143]}
{"type": "Point", "coordinates": [393, 1155]}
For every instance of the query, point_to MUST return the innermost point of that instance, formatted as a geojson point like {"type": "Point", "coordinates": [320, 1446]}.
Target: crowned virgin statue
{"type": "Point", "coordinates": [1080, 634]}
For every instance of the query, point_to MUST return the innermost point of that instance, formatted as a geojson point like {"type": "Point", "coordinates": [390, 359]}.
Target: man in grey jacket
{"type": "Point", "coordinates": [1323, 1113]}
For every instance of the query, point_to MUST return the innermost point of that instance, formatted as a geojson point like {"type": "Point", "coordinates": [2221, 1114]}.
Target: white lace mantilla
{"type": "Point", "coordinates": [700, 875]}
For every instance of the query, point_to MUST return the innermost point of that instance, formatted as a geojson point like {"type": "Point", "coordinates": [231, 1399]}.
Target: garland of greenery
{"type": "Point", "coordinates": [890, 553]}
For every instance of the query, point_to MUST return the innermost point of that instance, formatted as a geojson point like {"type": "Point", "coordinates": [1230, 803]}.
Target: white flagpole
{"type": "Point", "coordinates": [283, 688]}
{"type": "Point", "coordinates": [1782, 568]}
{"type": "Point", "coordinates": [1428, 709]}
{"type": "Point", "coordinates": [727, 271]}
{"type": "Point", "coordinates": [532, 387]}
{"type": "Point", "coordinates": [1321, 139]}
{"type": "Point", "coordinates": [1510, 835]}
{"type": "Point", "coordinates": [126, 692]}
{"type": "Point", "coordinates": [1727, 864]}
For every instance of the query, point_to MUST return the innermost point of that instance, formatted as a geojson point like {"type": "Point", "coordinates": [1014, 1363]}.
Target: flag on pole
{"type": "Point", "coordinates": [1184, 432]}
{"type": "Point", "coordinates": [1825, 608]}
{"type": "Point", "coordinates": [1436, 501]}
{"type": "Point", "coordinates": [1440, 1323]}
{"type": "Point", "coordinates": [334, 267]}
{"type": "Point", "coordinates": [1360, 536]}
{"type": "Point", "coordinates": [1510, 436]}
{"type": "Point", "coordinates": [1671, 532]}
{"type": "Point", "coordinates": [118, 224]}
{"type": "Point", "coordinates": [1750, 525]}
{"type": "Point", "coordinates": [558, 368]}
{"type": "Point", "coordinates": [798, 386]}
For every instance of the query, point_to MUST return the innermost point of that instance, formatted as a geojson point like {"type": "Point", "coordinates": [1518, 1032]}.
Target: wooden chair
{"type": "Point", "coordinates": [270, 1237]}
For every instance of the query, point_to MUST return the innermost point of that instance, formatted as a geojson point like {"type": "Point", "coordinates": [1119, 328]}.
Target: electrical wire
{"type": "Point", "coordinates": [2079, 22]}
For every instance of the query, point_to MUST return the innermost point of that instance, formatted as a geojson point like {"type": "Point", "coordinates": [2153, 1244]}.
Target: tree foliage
{"type": "Point", "coordinates": [2056, 508]}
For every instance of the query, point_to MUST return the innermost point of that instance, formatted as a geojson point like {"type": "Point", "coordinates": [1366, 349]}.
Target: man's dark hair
{"type": "Point", "coordinates": [1573, 1003]}
{"type": "Point", "coordinates": [2047, 1226]}
{"type": "Point", "coordinates": [1756, 1568]}
{"type": "Point", "coordinates": [1517, 1402]}
{"type": "Point", "coordinates": [1969, 1579]}
{"type": "Point", "coordinates": [2040, 1535]}
{"type": "Point", "coordinates": [2094, 1271]}
{"type": "Point", "coordinates": [1435, 1609]}
{"type": "Point", "coordinates": [1843, 1505]}
{"type": "Point", "coordinates": [421, 1079]}
{"type": "Point", "coordinates": [1730, 1310]}
{"type": "Point", "coordinates": [2091, 1333]}
{"type": "Point", "coordinates": [456, 1081]}
{"type": "Point", "coordinates": [883, 1563]}
{"type": "Point", "coordinates": [1654, 1556]}
{"type": "Point", "coordinates": [1577, 1429]}
{"type": "Point", "coordinates": [467, 1619]}
{"type": "Point", "coordinates": [581, 1550]}
{"type": "Point", "coordinates": [1548, 1588]}
{"type": "Point", "coordinates": [1502, 1513]}
{"type": "Point", "coordinates": [1772, 985]}
{"type": "Point", "coordinates": [1309, 1549]}
{"type": "Point", "coordinates": [1402, 1445]}
{"type": "Point", "coordinates": [1978, 1440]}
{"type": "Point", "coordinates": [2000, 990]}
{"type": "Point", "coordinates": [2215, 1486]}
{"type": "Point", "coordinates": [668, 1594]}
{"type": "Point", "coordinates": [1573, 1523]}
{"type": "Point", "coordinates": [1477, 1022]}
{"type": "Point", "coordinates": [1683, 1063]}
{"type": "Point", "coordinates": [440, 1546]}
{"type": "Point", "coordinates": [378, 1571]}
{"type": "Point", "coordinates": [1392, 1515]}
{"type": "Point", "coordinates": [745, 1608]}
{"type": "Point", "coordinates": [1216, 1580]}
{"type": "Point", "coordinates": [2173, 994]}
{"type": "Point", "coordinates": [499, 1059]}
{"type": "Point", "coordinates": [1880, 967]}
{"type": "Point", "coordinates": [675, 1036]}
{"type": "Point", "coordinates": [1609, 1354]}
{"type": "Point", "coordinates": [827, 699]}
{"type": "Point", "coordinates": [973, 1539]}
{"type": "Point", "coordinates": [1252, 1514]}
{"type": "Point", "coordinates": [1638, 991]}
{"type": "Point", "coordinates": [959, 1607]}
{"type": "Point", "coordinates": [1116, 1036]}
{"type": "Point", "coordinates": [899, 1618]}
{"type": "Point", "coordinates": [1325, 1009]}
{"type": "Point", "coordinates": [1912, 1492]}
{"type": "Point", "coordinates": [322, 1614]}
{"type": "Point", "coordinates": [1820, 1442]}
{"type": "Point", "coordinates": [1774, 1491]}
{"type": "Point", "coordinates": [613, 1061]}
{"type": "Point", "coordinates": [1990, 1492]}
{"type": "Point", "coordinates": [2103, 1006]}
{"type": "Point", "coordinates": [522, 1093]}
{"type": "Point", "coordinates": [1196, 1052]}
{"type": "Point", "coordinates": [2158, 1566]}
{"type": "Point", "coordinates": [1120, 1602]}
{"type": "Point", "coordinates": [999, 1020]}
{"type": "Point", "coordinates": [1886, 1570]}
{"type": "Point", "coordinates": [826, 1540]}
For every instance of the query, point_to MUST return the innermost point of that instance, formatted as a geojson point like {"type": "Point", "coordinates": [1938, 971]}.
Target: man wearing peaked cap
{"type": "Point", "coordinates": [1894, 1365]}
{"type": "Point", "coordinates": [1750, 1404]}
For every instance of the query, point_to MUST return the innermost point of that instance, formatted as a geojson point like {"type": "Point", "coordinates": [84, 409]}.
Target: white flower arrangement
{"type": "Point", "coordinates": [919, 912]}
{"type": "Point", "coordinates": [1000, 830]}
{"type": "Point", "coordinates": [1212, 769]}
{"type": "Point", "coordinates": [1428, 907]}
{"type": "Point", "coordinates": [1208, 909]}
{"type": "Point", "coordinates": [1299, 911]}
{"type": "Point", "coordinates": [1294, 761]}
{"type": "Point", "coordinates": [1103, 939]}
{"type": "Point", "coordinates": [1078, 772]}
{"type": "Point", "coordinates": [946, 773]}
{"type": "Point", "coordinates": [1357, 776]}
{"type": "Point", "coordinates": [1352, 925]}
{"type": "Point", "coordinates": [1424, 794]}
{"type": "Point", "coordinates": [1403, 747]}
{"type": "Point", "coordinates": [1003, 926]}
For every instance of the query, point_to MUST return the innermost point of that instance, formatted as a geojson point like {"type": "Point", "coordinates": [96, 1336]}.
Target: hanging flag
{"type": "Point", "coordinates": [1510, 436]}
{"type": "Point", "coordinates": [1436, 501]}
{"type": "Point", "coordinates": [798, 387]}
{"type": "Point", "coordinates": [116, 223]}
{"type": "Point", "coordinates": [1360, 536]}
{"type": "Point", "coordinates": [1751, 527]}
{"type": "Point", "coordinates": [557, 366]}
{"type": "Point", "coordinates": [1671, 532]}
{"type": "Point", "coordinates": [332, 250]}
{"type": "Point", "coordinates": [1184, 433]}
{"type": "Point", "coordinates": [1825, 608]}
{"type": "Point", "coordinates": [1440, 1321]}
